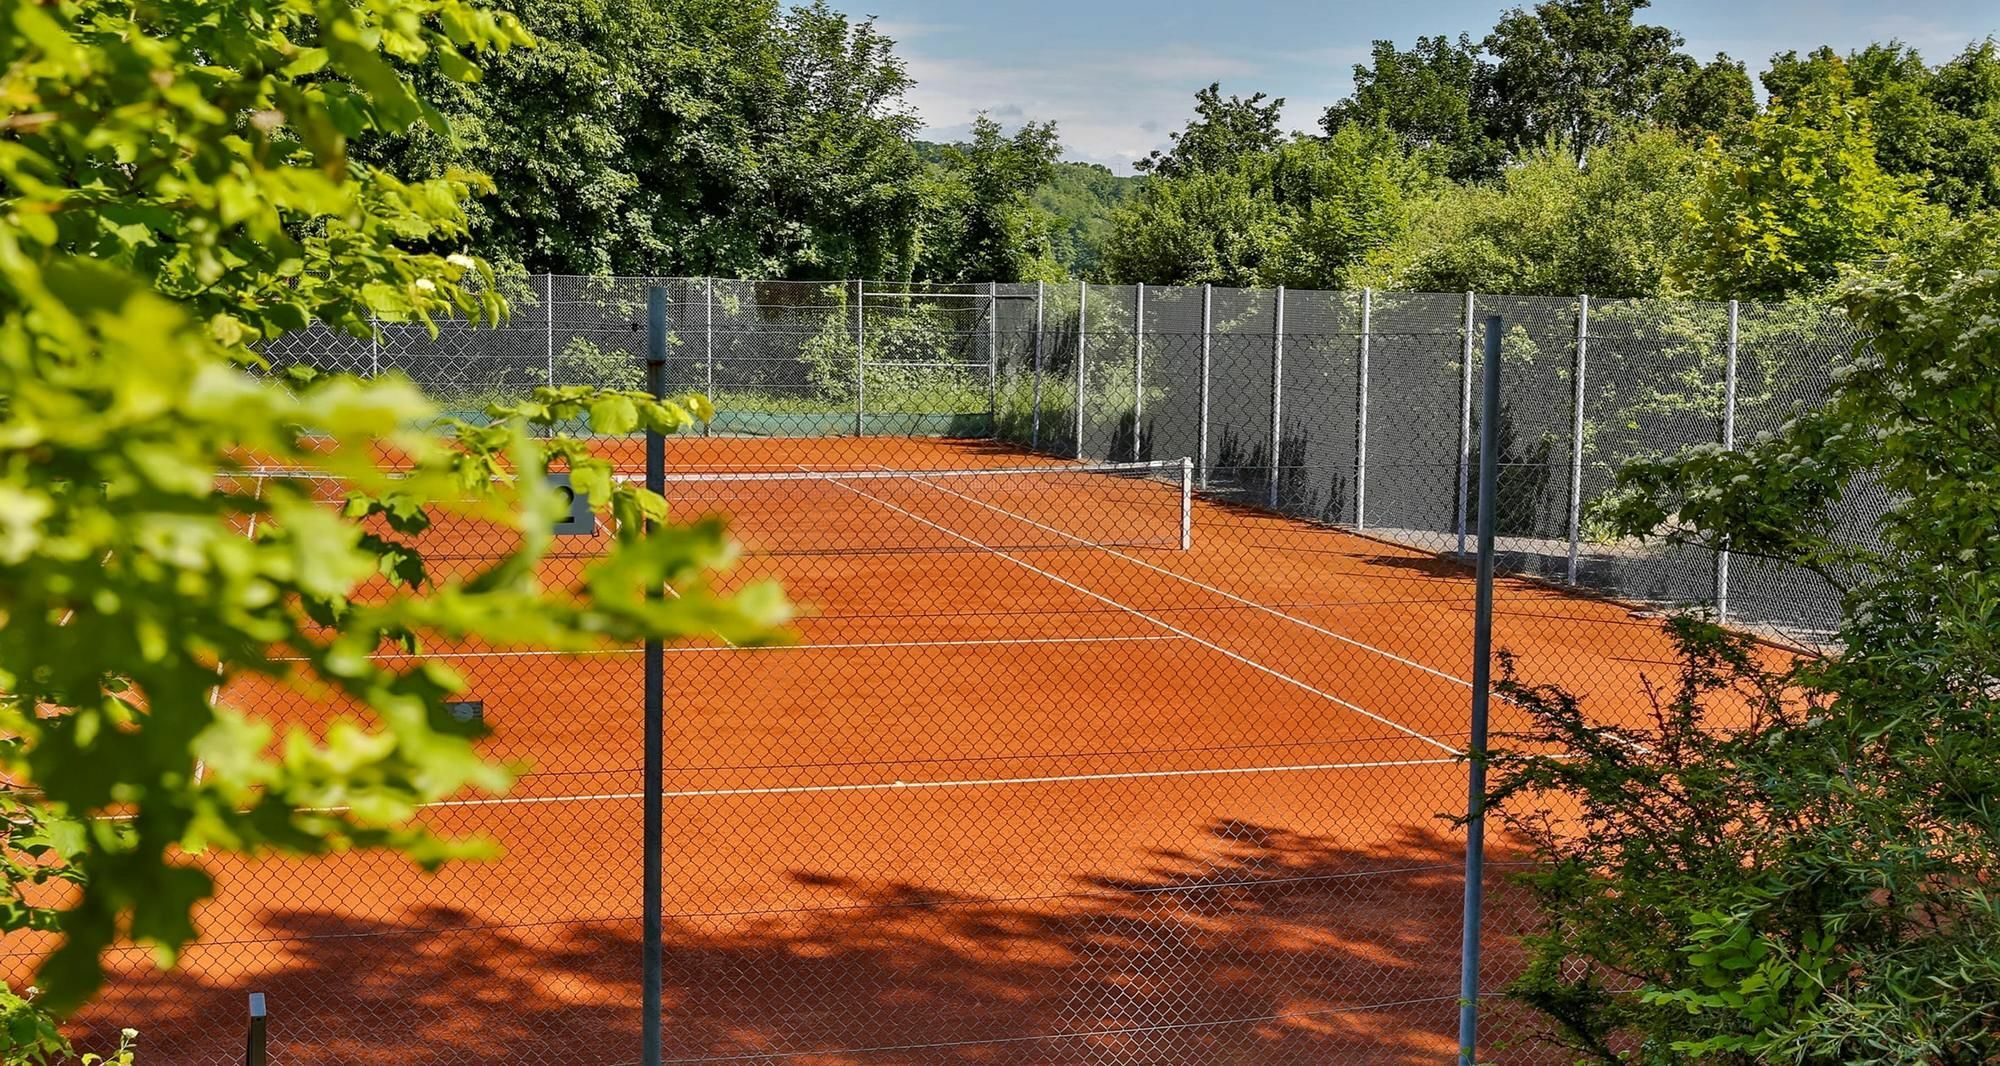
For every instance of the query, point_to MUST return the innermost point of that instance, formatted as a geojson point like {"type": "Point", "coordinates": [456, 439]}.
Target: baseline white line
{"type": "Point", "coordinates": [1135, 612]}
{"type": "Point", "coordinates": [1204, 586]}
{"type": "Point", "coordinates": [864, 645]}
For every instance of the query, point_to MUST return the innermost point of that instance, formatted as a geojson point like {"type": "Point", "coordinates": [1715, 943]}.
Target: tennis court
{"type": "Point", "coordinates": [1064, 763]}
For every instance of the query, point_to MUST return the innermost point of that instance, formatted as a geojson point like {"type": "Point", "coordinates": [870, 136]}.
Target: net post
{"type": "Point", "coordinates": [1187, 503]}
{"type": "Point", "coordinates": [254, 1047]}
{"type": "Point", "coordinates": [1728, 444]}
{"type": "Point", "coordinates": [1277, 395]}
{"type": "Point", "coordinates": [1035, 404]}
{"type": "Point", "coordinates": [860, 361]}
{"type": "Point", "coordinates": [1138, 365]}
{"type": "Point", "coordinates": [1361, 415]}
{"type": "Point", "coordinates": [708, 345]}
{"type": "Point", "coordinates": [1201, 435]}
{"type": "Point", "coordinates": [655, 694]}
{"type": "Point", "coordinates": [1465, 425]}
{"type": "Point", "coordinates": [1482, 679]}
{"type": "Point", "coordinates": [993, 359]}
{"type": "Point", "coordinates": [1082, 353]}
{"type": "Point", "coordinates": [1576, 437]}
{"type": "Point", "coordinates": [549, 332]}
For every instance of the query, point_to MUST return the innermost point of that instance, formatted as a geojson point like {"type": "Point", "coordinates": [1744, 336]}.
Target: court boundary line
{"type": "Point", "coordinates": [705, 650]}
{"type": "Point", "coordinates": [1206, 587]}
{"type": "Point", "coordinates": [1217, 648]}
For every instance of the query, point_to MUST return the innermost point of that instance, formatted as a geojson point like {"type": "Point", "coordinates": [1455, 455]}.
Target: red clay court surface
{"type": "Point", "coordinates": [1006, 799]}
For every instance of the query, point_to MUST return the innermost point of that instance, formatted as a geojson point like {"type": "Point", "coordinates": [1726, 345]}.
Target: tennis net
{"type": "Point", "coordinates": [1051, 507]}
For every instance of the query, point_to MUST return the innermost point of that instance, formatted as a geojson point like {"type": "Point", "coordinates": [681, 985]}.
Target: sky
{"type": "Point", "coordinates": [1118, 75]}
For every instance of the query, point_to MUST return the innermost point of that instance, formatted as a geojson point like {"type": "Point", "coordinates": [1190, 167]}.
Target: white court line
{"type": "Point", "coordinates": [683, 650]}
{"type": "Point", "coordinates": [1212, 646]}
{"type": "Point", "coordinates": [1204, 586]}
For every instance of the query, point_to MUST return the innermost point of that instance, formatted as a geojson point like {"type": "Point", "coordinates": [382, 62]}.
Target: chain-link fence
{"type": "Point", "coordinates": [1128, 700]}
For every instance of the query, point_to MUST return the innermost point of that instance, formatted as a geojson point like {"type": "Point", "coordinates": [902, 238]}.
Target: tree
{"type": "Point", "coordinates": [1576, 70]}
{"type": "Point", "coordinates": [1798, 198]}
{"type": "Point", "coordinates": [1713, 98]}
{"type": "Point", "coordinates": [1082, 198]}
{"type": "Point", "coordinates": [984, 225]}
{"type": "Point", "coordinates": [177, 186]}
{"type": "Point", "coordinates": [1794, 862]}
{"type": "Point", "coordinates": [1559, 223]}
{"type": "Point", "coordinates": [1434, 97]}
{"type": "Point", "coordinates": [1221, 132]}
{"type": "Point", "coordinates": [652, 137]}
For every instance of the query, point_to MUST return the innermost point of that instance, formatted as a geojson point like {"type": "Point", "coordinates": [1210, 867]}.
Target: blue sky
{"type": "Point", "coordinates": [1118, 75]}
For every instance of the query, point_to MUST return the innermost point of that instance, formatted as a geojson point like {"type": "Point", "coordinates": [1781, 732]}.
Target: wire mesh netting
{"type": "Point", "coordinates": [1128, 696]}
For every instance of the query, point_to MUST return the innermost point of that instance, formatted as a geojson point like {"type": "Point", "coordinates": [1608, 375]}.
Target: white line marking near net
{"type": "Point", "coordinates": [982, 642]}
{"type": "Point", "coordinates": [1204, 586]}
{"type": "Point", "coordinates": [1169, 627]}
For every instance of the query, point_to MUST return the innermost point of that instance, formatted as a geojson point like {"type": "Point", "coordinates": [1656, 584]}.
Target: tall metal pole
{"type": "Point", "coordinates": [655, 827]}
{"type": "Point", "coordinates": [1728, 443]}
{"type": "Point", "coordinates": [708, 345]}
{"type": "Point", "coordinates": [1277, 394]}
{"type": "Point", "coordinates": [1576, 436]}
{"type": "Point", "coordinates": [1465, 427]}
{"type": "Point", "coordinates": [549, 338]}
{"type": "Point", "coordinates": [860, 362]}
{"type": "Point", "coordinates": [1035, 414]}
{"type": "Point", "coordinates": [374, 347]}
{"type": "Point", "coordinates": [1201, 434]}
{"type": "Point", "coordinates": [993, 359]}
{"type": "Point", "coordinates": [1361, 416]}
{"type": "Point", "coordinates": [1082, 351]}
{"type": "Point", "coordinates": [1138, 366]}
{"type": "Point", "coordinates": [1482, 679]}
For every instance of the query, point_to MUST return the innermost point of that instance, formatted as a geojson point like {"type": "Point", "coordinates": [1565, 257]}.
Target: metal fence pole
{"type": "Point", "coordinates": [1035, 406]}
{"type": "Point", "coordinates": [549, 341]}
{"type": "Point", "coordinates": [1277, 393]}
{"type": "Point", "coordinates": [374, 347]}
{"type": "Point", "coordinates": [655, 730]}
{"type": "Point", "coordinates": [1361, 416]}
{"type": "Point", "coordinates": [1138, 366]}
{"type": "Point", "coordinates": [708, 345]}
{"type": "Point", "coordinates": [1576, 436]}
{"type": "Point", "coordinates": [1201, 433]}
{"type": "Point", "coordinates": [1465, 425]}
{"type": "Point", "coordinates": [1482, 679]}
{"type": "Point", "coordinates": [1728, 443]}
{"type": "Point", "coordinates": [1082, 350]}
{"type": "Point", "coordinates": [993, 358]}
{"type": "Point", "coordinates": [860, 362]}
{"type": "Point", "coordinates": [255, 1052]}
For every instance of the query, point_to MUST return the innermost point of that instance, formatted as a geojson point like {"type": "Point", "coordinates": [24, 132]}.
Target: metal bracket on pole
{"type": "Point", "coordinates": [1482, 679]}
{"type": "Point", "coordinates": [1361, 416]}
{"type": "Point", "coordinates": [654, 844]}
{"type": "Point", "coordinates": [1277, 394]}
{"type": "Point", "coordinates": [1576, 437]}
{"type": "Point", "coordinates": [1201, 433]}
{"type": "Point", "coordinates": [1465, 427]}
{"type": "Point", "coordinates": [1035, 405]}
{"type": "Point", "coordinates": [1082, 351]}
{"type": "Point", "coordinates": [1728, 443]}
{"type": "Point", "coordinates": [1138, 368]}
{"type": "Point", "coordinates": [860, 363]}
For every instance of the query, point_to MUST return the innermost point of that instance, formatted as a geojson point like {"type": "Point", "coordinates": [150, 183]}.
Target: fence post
{"type": "Point", "coordinates": [1576, 436]}
{"type": "Point", "coordinates": [1482, 677]}
{"type": "Point", "coordinates": [860, 360]}
{"type": "Point", "coordinates": [1361, 416]}
{"type": "Point", "coordinates": [1277, 393]}
{"type": "Point", "coordinates": [1138, 365]}
{"type": "Point", "coordinates": [653, 882]}
{"type": "Point", "coordinates": [708, 345]}
{"type": "Point", "coordinates": [1035, 406]}
{"type": "Point", "coordinates": [1187, 503]}
{"type": "Point", "coordinates": [549, 341]}
{"type": "Point", "coordinates": [374, 347]}
{"type": "Point", "coordinates": [993, 359]}
{"type": "Point", "coordinates": [1465, 425]}
{"type": "Point", "coordinates": [1082, 351]}
{"type": "Point", "coordinates": [1201, 433]}
{"type": "Point", "coordinates": [1728, 443]}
